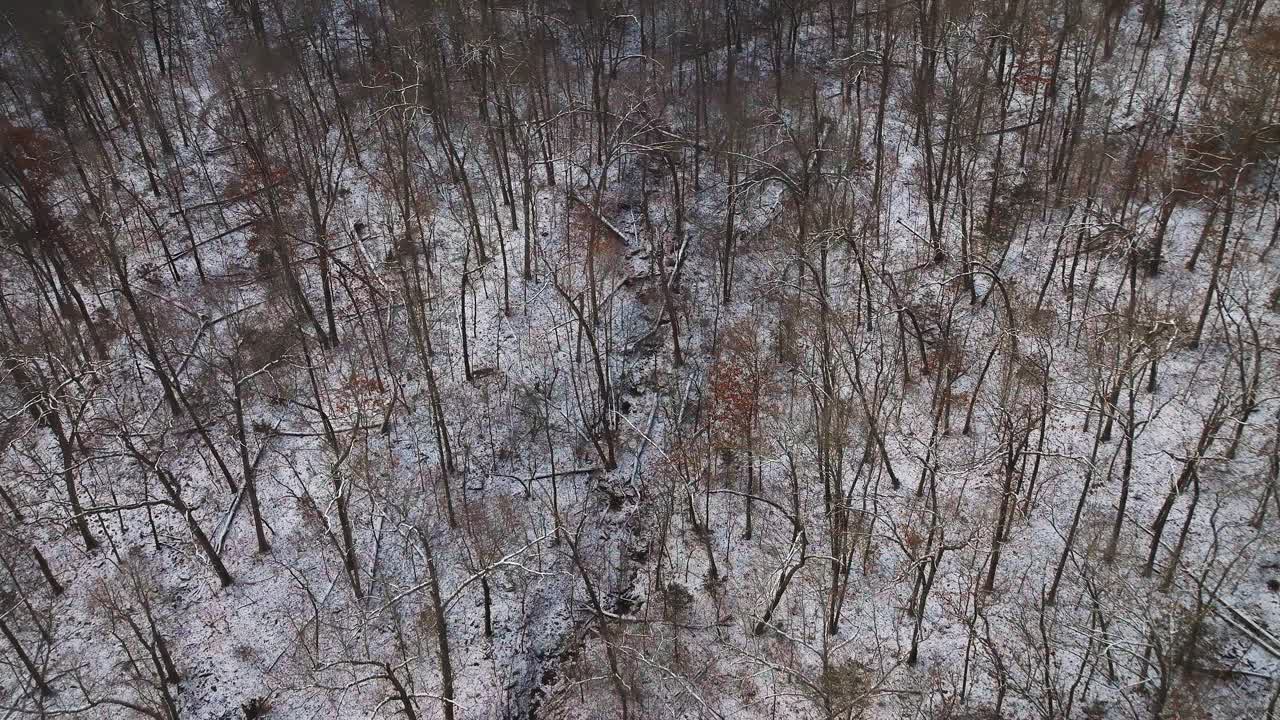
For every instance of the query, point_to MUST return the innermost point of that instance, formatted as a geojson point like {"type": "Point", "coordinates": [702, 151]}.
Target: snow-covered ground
{"type": "Point", "coordinates": [851, 430]}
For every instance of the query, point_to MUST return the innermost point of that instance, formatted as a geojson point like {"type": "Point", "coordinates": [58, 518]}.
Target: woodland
{"type": "Point", "coordinates": [576, 359]}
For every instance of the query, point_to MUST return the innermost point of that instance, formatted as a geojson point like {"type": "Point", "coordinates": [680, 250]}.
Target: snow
{"type": "Point", "coordinates": [530, 489]}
